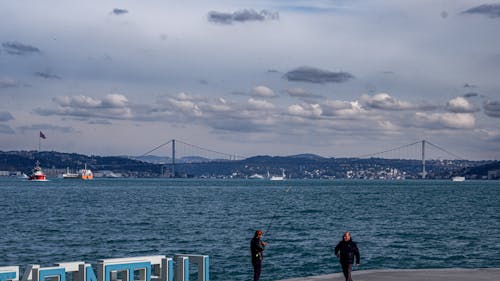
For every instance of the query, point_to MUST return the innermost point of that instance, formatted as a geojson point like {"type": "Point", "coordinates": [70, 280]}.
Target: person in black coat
{"type": "Point", "coordinates": [347, 250]}
{"type": "Point", "coordinates": [257, 248]}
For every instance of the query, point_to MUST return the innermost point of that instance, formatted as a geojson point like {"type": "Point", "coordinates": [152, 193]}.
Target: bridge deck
{"type": "Point", "coordinates": [452, 274]}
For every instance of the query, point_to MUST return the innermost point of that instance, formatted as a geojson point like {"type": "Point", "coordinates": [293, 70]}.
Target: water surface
{"type": "Point", "coordinates": [397, 224]}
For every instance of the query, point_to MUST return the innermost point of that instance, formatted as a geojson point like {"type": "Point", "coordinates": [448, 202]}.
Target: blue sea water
{"type": "Point", "coordinates": [397, 224]}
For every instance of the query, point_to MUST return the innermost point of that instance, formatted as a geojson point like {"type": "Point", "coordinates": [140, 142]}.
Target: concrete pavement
{"type": "Point", "coordinates": [445, 274]}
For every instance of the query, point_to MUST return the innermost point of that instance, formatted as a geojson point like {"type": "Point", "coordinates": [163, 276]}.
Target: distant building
{"type": "Point", "coordinates": [494, 174]}
{"type": "Point", "coordinates": [10, 174]}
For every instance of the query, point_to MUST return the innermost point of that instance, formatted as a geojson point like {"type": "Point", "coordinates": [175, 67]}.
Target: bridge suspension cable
{"type": "Point", "coordinates": [389, 150]}
{"type": "Point", "coordinates": [213, 151]}
{"type": "Point", "coordinates": [413, 144]}
{"type": "Point", "coordinates": [172, 141]}
{"type": "Point", "coordinates": [156, 148]}
{"type": "Point", "coordinates": [444, 150]}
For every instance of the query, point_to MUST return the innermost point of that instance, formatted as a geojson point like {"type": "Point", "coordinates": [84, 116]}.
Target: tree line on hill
{"type": "Point", "coordinates": [298, 166]}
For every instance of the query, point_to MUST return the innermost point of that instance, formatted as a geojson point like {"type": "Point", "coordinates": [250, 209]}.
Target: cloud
{"type": "Point", "coordinates": [386, 102]}
{"type": "Point", "coordinates": [113, 106]}
{"type": "Point", "coordinates": [4, 129]}
{"type": "Point", "coordinates": [446, 120]}
{"type": "Point", "coordinates": [471, 95]}
{"type": "Point", "coordinates": [316, 75]}
{"type": "Point", "coordinates": [8, 83]}
{"type": "Point", "coordinates": [460, 105]}
{"type": "Point", "coordinates": [47, 75]}
{"type": "Point", "coordinates": [254, 115]}
{"type": "Point", "coordinates": [344, 109]}
{"type": "Point", "coordinates": [186, 106]}
{"type": "Point", "coordinates": [301, 93]}
{"type": "Point", "coordinates": [242, 16]}
{"type": "Point", "coordinates": [263, 91]}
{"type": "Point", "coordinates": [260, 104]}
{"type": "Point", "coordinates": [220, 105]}
{"type": "Point", "coordinates": [492, 108]}
{"type": "Point", "coordinates": [5, 116]}
{"type": "Point", "coordinates": [388, 125]}
{"type": "Point", "coordinates": [114, 101]}
{"type": "Point", "coordinates": [118, 12]}
{"type": "Point", "coordinates": [19, 49]}
{"type": "Point", "coordinates": [305, 110]}
{"type": "Point", "coordinates": [491, 10]}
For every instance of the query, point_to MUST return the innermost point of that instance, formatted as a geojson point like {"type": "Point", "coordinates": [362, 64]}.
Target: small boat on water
{"type": "Point", "coordinates": [37, 174]}
{"type": "Point", "coordinates": [69, 175]}
{"type": "Point", "coordinates": [458, 178]}
{"type": "Point", "coordinates": [84, 174]}
{"type": "Point", "coordinates": [256, 177]}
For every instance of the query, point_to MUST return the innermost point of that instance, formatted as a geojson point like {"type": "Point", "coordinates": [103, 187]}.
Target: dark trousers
{"type": "Point", "coordinates": [347, 269]}
{"type": "Point", "coordinates": [257, 267]}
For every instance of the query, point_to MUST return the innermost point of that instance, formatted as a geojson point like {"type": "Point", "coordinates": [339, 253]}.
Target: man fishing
{"type": "Point", "coordinates": [347, 250]}
{"type": "Point", "coordinates": [257, 248]}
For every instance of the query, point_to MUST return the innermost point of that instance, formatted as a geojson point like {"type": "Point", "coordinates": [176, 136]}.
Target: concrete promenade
{"type": "Point", "coordinates": [446, 274]}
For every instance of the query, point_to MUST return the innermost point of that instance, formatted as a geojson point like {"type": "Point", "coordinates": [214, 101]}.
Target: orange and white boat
{"type": "Point", "coordinates": [37, 174]}
{"type": "Point", "coordinates": [86, 173]}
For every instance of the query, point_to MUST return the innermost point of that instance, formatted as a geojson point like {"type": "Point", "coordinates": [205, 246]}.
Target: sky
{"type": "Point", "coordinates": [335, 78]}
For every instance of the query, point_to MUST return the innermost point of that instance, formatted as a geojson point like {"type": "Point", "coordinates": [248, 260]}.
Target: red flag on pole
{"type": "Point", "coordinates": [42, 135]}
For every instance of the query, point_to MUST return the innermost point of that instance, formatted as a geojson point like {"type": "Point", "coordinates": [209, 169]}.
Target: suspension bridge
{"type": "Point", "coordinates": [176, 152]}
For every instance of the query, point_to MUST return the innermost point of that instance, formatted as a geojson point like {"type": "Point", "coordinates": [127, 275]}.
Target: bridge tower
{"type": "Point", "coordinates": [173, 158]}
{"type": "Point", "coordinates": [424, 173]}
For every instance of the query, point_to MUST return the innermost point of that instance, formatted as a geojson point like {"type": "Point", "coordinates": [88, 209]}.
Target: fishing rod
{"type": "Point", "coordinates": [275, 213]}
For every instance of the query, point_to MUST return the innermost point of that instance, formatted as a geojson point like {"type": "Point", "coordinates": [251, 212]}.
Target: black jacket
{"type": "Point", "coordinates": [256, 247]}
{"type": "Point", "coordinates": [347, 250]}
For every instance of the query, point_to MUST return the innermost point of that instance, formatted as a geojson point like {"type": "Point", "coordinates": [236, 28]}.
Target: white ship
{"type": "Point", "coordinates": [458, 178]}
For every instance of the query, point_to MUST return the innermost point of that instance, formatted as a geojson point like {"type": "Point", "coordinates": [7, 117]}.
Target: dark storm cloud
{"type": "Point", "coordinates": [118, 12]}
{"type": "Point", "coordinates": [5, 116]}
{"type": "Point", "coordinates": [19, 49]}
{"type": "Point", "coordinates": [471, 95]}
{"type": "Point", "coordinates": [492, 108]}
{"type": "Point", "coordinates": [47, 75]}
{"type": "Point", "coordinates": [316, 75]}
{"type": "Point", "coordinates": [242, 16]}
{"type": "Point", "coordinates": [491, 10]}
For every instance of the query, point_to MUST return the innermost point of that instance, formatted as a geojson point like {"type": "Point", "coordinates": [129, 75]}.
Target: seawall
{"type": "Point", "coordinates": [445, 274]}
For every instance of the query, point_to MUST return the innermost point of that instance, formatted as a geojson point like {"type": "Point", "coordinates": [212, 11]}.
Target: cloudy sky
{"type": "Point", "coordinates": [262, 77]}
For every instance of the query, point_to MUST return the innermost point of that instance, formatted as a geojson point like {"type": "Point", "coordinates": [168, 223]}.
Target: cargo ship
{"type": "Point", "coordinates": [84, 174]}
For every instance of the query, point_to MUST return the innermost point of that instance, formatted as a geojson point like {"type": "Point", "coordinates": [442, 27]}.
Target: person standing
{"type": "Point", "coordinates": [257, 248]}
{"type": "Point", "coordinates": [347, 250]}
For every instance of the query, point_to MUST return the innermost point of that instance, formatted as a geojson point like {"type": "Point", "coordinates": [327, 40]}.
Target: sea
{"type": "Point", "coordinates": [406, 224]}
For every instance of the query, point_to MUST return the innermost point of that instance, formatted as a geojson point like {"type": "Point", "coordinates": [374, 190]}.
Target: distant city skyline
{"type": "Point", "coordinates": [266, 77]}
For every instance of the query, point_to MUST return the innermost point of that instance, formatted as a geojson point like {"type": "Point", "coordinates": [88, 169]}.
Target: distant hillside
{"type": "Point", "coordinates": [24, 160]}
{"type": "Point", "coordinates": [300, 166]}
{"type": "Point", "coordinates": [482, 170]}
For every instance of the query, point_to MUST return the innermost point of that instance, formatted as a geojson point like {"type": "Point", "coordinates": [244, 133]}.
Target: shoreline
{"type": "Point", "coordinates": [441, 274]}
